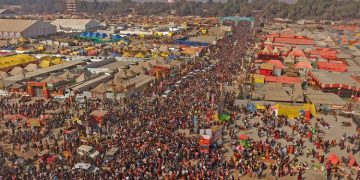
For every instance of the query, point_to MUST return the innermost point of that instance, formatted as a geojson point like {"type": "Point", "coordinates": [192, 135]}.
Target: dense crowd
{"type": "Point", "coordinates": [148, 129]}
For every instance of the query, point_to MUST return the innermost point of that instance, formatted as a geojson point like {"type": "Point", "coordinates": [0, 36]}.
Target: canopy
{"type": "Point", "coordinates": [277, 63]}
{"type": "Point", "coordinates": [334, 159]}
{"type": "Point", "coordinates": [303, 65]}
{"type": "Point", "coordinates": [31, 67]}
{"type": "Point", "coordinates": [52, 79]}
{"type": "Point", "coordinates": [44, 64]}
{"type": "Point", "coordinates": [329, 66]}
{"type": "Point", "coordinates": [283, 79]}
{"type": "Point", "coordinates": [3, 74]}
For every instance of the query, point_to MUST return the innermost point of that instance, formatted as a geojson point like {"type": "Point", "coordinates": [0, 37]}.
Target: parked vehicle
{"type": "Point", "coordinates": [85, 150]}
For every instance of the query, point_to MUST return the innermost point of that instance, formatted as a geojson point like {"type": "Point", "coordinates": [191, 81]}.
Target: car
{"type": "Point", "coordinates": [110, 155]}
{"type": "Point", "coordinates": [86, 167]}
{"type": "Point", "coordinates": [166, 93]}
{"type": "Point", "coordinates": [85, 150]}
{"type": "Point", "coordinates": [178, 83]}
{"type": "Point", "coordinates": [184, 77]}
{"type": "Point", "coordinates": [197, 70]}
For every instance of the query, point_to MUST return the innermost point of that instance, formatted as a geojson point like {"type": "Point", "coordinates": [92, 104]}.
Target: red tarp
{"type": "Point", "coordinates": [283, 79]}
{"type": "Point", "coordinates": [303, 65]}
{"type": "Point", "coordinates": [325, 53]}
{"type": "Point", "coordinates": [297, 53]}
{"type": "Point", "coordinates": [334, 159]}
{"type": "Point", "coordinates": [338, 67]}
{"type": "Point", "coordinates": [294, 41]}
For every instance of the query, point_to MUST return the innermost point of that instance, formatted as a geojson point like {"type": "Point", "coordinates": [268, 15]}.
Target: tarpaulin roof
{"type": "Point", "coordinates": [303, 65]}
{"type": "Point", "coordinates": [338, 67]}
{"type": "Point", "coordinates": [276, 63]}
{"type": "Point", "coordinates": [294, 41]}
{"type": "Point", "coordinates": [283, 79]}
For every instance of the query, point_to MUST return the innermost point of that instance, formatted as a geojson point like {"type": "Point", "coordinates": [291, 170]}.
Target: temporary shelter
{"type": "Point", "coordinates": [303, 65]}
{"type": "Point", "coordinates": [3, 74]}
{"type": "Point", "coordinates": [52, 79]}
{"type": "Point", "coordinates": [17, 71]}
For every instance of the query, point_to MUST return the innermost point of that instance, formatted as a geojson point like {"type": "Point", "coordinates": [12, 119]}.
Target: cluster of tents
{"type": "Point", "coordinates": [100, 37]}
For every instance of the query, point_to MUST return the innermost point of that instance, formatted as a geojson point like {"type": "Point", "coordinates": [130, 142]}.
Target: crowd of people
{"type": "Point", "coordinates": [149, 129]}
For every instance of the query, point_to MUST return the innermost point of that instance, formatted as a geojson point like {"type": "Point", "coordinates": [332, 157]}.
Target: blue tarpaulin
{"type": "Point", "coordinates": [251, 107]}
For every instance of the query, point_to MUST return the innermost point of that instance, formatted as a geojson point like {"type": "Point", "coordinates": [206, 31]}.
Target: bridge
{"type": "Point", "coordinates": [237, 19]}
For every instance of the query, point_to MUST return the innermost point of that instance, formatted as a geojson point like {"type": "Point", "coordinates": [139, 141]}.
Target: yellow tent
{"type": "Point", "coordinates": [294, 111]}
{"type": "Point", "coordinates": [14, 60]}
{"type": "Point", "coordinates": [140, 55]}
{"type": "Point", "coordinates": [57, 61]}
{"type": "Point", "coordinates": [44, 64]}
{"type": "Point", "coordinates": [127, 54]}
{"type": "Point", "coordinates": [164, 54]}
{"type": "Point", "coordinates": [260, 79]}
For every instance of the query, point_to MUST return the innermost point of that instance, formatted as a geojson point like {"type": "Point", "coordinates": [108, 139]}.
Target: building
{"type": "Point", "coordinates": [76, 25]}
{"type": "Point", "coordinates": [5, 13]}
{"type": "Point", "coordinates": [18, 28]}
{"type": "Point", "coordinates": [71, 6]}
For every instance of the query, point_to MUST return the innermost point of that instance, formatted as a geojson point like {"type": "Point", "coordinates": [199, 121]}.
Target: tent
{"type": "Point", "coordinates": [31, 67]}
{"type": "Point", "coordinates": [52, 79]}
{"type": "Point", "coordinates": [127, 54]}
{"type": "Point", "coordinates": [84, 76]}
{"type": "Point", "coordinates": [303, 65]}
{"type": "Point", "coordinates": [17, 71]}
{"type": "Point", "coordinates": [44, 64]}
{"type": "Point", "coordinates": [334, 159]}
{"type": "Point", "coordinates": [3, 74]}
{"type": "Point", "coordinates": [277, 63]}
{"type": "Point", "coordinates": [140, 55]}
{"type": "Point", "coordinates": [101, 88]}
{"type": "Point", "coordinates": [67, 75]}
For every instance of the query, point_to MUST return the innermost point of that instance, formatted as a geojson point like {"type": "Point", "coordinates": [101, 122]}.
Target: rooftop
{"type": "Point", "coordinates": [15, 25]}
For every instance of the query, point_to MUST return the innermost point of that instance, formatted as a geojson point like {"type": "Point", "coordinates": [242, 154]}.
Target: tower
{"type": "Point", "coordinates": [71, 6]}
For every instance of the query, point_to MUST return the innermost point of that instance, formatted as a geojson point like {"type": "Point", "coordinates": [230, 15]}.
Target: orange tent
{"type": "Point", "coordinates": [334, 159]}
